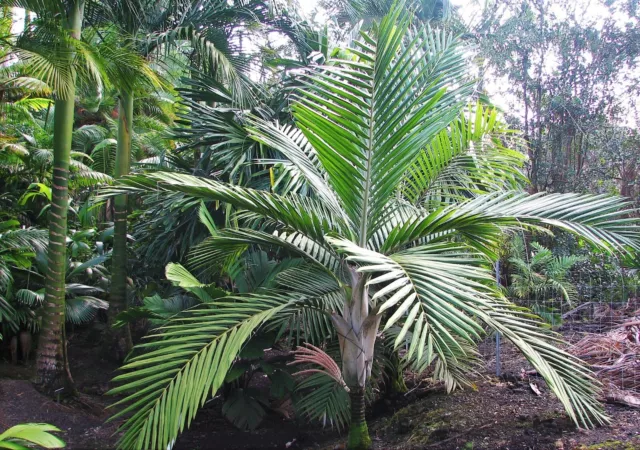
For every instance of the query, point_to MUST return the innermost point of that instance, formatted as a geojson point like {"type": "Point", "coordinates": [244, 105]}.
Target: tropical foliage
{"type": "Point", "coordinates": [377, 120]}
{"type": "Point", "coordinates": [541, 280]}
{"type": "Point", "coordinates": [314, 206]}
{"type": "Point", "coordinates": [17, 247]}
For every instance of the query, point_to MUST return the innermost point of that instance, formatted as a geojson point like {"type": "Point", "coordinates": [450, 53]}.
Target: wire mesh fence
{"type": "Point", "coordinates": [600, 323]}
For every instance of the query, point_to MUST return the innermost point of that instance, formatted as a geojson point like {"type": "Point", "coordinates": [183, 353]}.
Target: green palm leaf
{"type": "Point", "coordinates": [601, 219]}
{"type": "Point", "coordinates": [323, 399]}
{"type": "Point", "coordinates": [83, 308]}
{"type": "Point", "coordinates": [228, 244]}
{"type": "Point", "coordinates": [165, 385]}
{"type": "Point", "coordinates": [369, 117]}
{"type": "Point", "coordinates": [442, 293]}
{"type": "Point", "coordinates": [46, 48]}
{"type": "Point", "coordinates": [465, 160]}
{"type": "Point", "coordinates": [103, 155]}
{"type": "Point", "coordinates": [20, 437]}
{"type": "Point", "coordinates": [310, 216]}
{"type": "Point", "coordinates": [214, 53]}
{"type": "Point", "coordinates": [7, 312]}
{"type": "Point", "coordinates": [296, 148]}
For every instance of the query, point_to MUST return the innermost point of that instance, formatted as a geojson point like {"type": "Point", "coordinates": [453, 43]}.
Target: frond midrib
{"type": "Point", "coordinates": [364, 217]}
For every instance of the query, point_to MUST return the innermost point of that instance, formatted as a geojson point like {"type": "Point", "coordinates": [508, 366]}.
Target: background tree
{"type": "Point", "coordinates": [571, 75]}
{"type": "Point", "coordinates": [128, 71]}
{"type": "Point", "coordinates": [53, 52]}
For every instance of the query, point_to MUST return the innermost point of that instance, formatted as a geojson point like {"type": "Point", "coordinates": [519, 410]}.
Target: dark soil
{"type": "Point", "coordinates": [503, 413]}
{"type": "Point", "coordinates": [82, 421]}
{"type": "Point", "coordinates": [210, 430]}
{"type": "Point", "coordinates": [82, 426]}
{"type": "Point", "coordinates": [499, 415]}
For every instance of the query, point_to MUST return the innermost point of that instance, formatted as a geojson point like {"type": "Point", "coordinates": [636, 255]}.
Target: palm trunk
{"type": "Point", "coordinates": [358, 431]}
{"type": "Point", "coordinates": [52, 365]}
{"type": "Point", "coordinates": [27, 20]}
{"type": "Point", "coordinates": [118, 296]}
{"type": "Point", "coordinates": [357, 329]}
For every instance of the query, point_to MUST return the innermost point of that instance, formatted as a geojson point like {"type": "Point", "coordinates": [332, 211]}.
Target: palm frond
{"type": "Point", "coordinates": [7, 312]}
{"type": "Point", "coordinates": [602, 220]}
{"type": "Point", "coordinates": [293, 144]}
{"type": "Point", "coordinates": [11, 149]}
{"type": "Point", "coordinates": [312, 323]}
{"type": "Point", "coordinates": [165, 387]}
{"type": "Point", "coordinates": [181, 277]}
{"type": "Point", "coordinates": [224, 247]}
{"type": "Point", "coordinates": [259, 271]}
{"type": "Point", "coordinates": [103, 156]}
{"type": "Point", "coordinates": [84, 176]}
{"type": "Point", "coordinates": [29, 297]}
{"type": "Point", "coordinates": [465, 160]}
{"type": "Point", "coordinates": [24, 84]}
{"type": "Point", "coordinates": [114, 55]}
{"type": "Point", "coordinates": [32, 238]}
{"type": "Point", "coordinates": [323, 399]}
{"type": "Point", "coordinates": [304, 214]}
{"type": "Point", "coordinates": [310, 354]}
{"type": "Point", "coordinates": [83, 308]}
{"type": "Point", "coordinates": [30, 433]}
{"type": "Point", "coordinates": [55, 57]}
{"type": "Point", "coordinates": [88, 136]}
{"type": "Point", "coordinates": [214, 51]}
{"type": "Point", "coordinates": [369, 117]}
{"type": "Point", "coordinates": [445, 292]}
{"type": "Point", "coordinates": [41, 51]}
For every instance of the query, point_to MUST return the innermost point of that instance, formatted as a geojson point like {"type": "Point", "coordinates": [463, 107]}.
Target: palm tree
{"type": "Point", "coordinates": [208, 27]}
{"type": "Point", "coordinates": [54, 53]}
{"type": "Point", "coordinates": [417, 267]}
{"type": "Point", "coordinates": [51, 371]}
{"type": "Point", "coordinates": [128, 17]}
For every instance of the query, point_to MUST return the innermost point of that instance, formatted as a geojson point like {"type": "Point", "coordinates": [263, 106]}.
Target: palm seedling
{"type": "Point", "coordinates": [371, 126]}
{"type": "Point", "coordinates": [540, 279]}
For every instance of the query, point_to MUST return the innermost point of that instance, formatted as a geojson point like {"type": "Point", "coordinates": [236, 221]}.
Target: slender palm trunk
{"type": "Point", "coordinates": [52, 365]}
{"type": "Point", "coordinates": [358, 431]}
{"type": "Point", "coordinates": [118, 296]}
